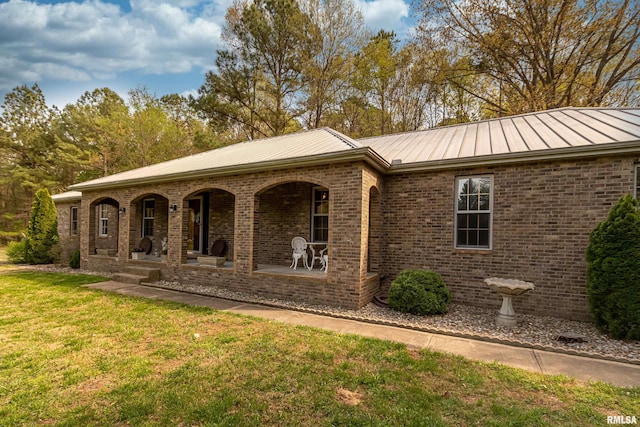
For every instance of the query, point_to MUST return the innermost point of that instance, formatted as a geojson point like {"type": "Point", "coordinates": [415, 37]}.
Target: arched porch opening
{"type": "Point", "coordinates": [149, 218]}
{"type": "Point", "coordinates": [284, 211]}
{"type": "Point", "coordinates": [208, 216]}
{"type": "Point", "coordinates": [104, 227]}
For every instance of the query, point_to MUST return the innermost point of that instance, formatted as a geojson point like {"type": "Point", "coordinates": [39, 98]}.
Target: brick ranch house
{"type": "Point", "coordinates": [514, 197]}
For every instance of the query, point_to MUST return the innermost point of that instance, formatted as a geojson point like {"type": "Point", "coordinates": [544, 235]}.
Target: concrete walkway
{"type": "Point", "coordinates": [582, 368]}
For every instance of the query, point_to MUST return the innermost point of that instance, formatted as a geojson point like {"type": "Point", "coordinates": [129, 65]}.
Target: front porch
{"type": "Point", "coordinates": [257, 218]}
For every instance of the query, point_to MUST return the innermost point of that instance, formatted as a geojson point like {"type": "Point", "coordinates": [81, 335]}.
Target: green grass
{"type": "Point", "coordinates": [72, 356]}
{"type": "Point", "coordinates": [3, 255]}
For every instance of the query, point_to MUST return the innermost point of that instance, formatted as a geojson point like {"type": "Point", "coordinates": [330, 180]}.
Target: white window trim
{"type": "Point", "coordinates": [144, 217]}
{"type": "Point", "coordinates": [104, 220]}
{"type": "Point", "coordinates": [313, 213]}
{"type": "Point", "coordinates": [490, 212]}
{"type": "Point", "coordinates": [73, 232]}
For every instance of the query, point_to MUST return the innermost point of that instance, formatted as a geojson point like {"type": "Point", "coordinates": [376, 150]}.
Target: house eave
{"type": "Point", "coordinates": [69, 196]}
{"type": "Point", "coordinates": [567, 153]}
{"type": "Point", "coordinates": [364, 154]}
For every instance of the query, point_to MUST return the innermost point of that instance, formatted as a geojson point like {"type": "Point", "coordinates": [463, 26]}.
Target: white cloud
{"type": "Point", "coordinates": [80, 41]}
{"type": "Point", "coordinates": [77, 45]}
{"type": "Point", "coordinates": [385, 14]}
{"type": "Point", "coordinates": [191, 92]}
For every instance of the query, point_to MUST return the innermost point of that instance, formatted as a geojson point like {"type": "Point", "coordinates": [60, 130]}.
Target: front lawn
{"type": "Point", "coordinates": [74, 356]}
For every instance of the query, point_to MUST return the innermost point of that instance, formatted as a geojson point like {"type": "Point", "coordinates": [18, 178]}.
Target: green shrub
{"type": "Point", "coordinates": [42, 233]}
{"type": "Point", "coordinates": [75, 259]}
{"type": "Point", "coordinates": [16, 252]}
{"type": "Point", "coordinates": [613, 271]}
{"type": "Point", "coordinates": [419, 292]}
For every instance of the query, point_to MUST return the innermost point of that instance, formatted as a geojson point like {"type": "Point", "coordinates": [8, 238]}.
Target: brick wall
{"type": "Point", "coordinates": [108, 241]}
{"type": "Point", "coordinates": [221, 219]}
{"type": "Point", "coordinates": [371, 238]}
{"type": "Point", "coordinates": [68, 242]}
{"type": "Point", "coordinates": [160, 221]}
{"type": "Point", "coordinates": [542, 216]}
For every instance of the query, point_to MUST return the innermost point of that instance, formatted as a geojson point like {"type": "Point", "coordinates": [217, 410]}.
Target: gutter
{"type": "Point", "coordinates": [365, 154]}
{"type": "Point", "coordinates": [599, 150]}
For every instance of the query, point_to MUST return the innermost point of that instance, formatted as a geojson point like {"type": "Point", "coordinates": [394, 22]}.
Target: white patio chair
{"type": "Point", "coordinates": [316, 256]}
{"type": "Point", "coordinates": [324, 259]}
{"type": "Point", "coordinates": [299, 245]}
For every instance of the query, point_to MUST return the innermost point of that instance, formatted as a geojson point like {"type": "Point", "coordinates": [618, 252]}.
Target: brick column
{"type": "Point", "coordinates": [124, 221]}
{"type": "Point", "coordinates": [244, 232]}
{"type": "Point", "coordinates": [175, 222]}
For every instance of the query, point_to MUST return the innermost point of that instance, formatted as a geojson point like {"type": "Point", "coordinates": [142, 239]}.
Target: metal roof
{"type": "Point", "coordinates": [565, 129]}
{"type": "Point", "coordinates": [273, 152]}
{"type": "Point", "coordinates": [68, 196]}
{"type": "Point", "coordinates": [561, 133]}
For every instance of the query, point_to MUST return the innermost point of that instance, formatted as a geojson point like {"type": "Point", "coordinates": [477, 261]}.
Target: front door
{"type": "Point", "coordinates": [195, 224]}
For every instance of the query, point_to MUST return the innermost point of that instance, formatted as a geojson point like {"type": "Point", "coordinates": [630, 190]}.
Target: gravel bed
{"type": "Point", "coordinates": [538, 332]}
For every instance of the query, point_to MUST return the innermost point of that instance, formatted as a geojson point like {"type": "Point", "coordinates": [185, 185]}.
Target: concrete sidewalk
{"type": "Point", "coordinates": [582, 368]}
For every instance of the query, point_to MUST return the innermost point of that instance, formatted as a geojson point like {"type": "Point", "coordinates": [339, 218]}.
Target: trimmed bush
{"type": "Point", "coordinates": [75, 259]}
{"type": "Point", "coordinates": [419, 292]}
{"type": "Point", "coordinates": [613, 271]}
{"type": "Point", "coordinates": [42, 233]}
{"type": "Point", "coordinates": [16, 252]}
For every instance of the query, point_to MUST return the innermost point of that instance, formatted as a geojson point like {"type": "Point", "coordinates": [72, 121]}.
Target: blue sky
{"type": "Point", "coordinates": [69, 47]}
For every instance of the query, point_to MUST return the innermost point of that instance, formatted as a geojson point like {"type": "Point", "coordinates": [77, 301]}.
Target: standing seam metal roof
{"type": "Point", "coordinates": [288, 147]}
{"type": "Point", "coordinates": [527, 133]}
{"type": "Point", "coordinates": [542, 133]}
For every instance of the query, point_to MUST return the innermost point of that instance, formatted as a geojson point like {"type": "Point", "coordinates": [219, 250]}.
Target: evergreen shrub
{"type": "Point", "coordinates": [16, 252]}
{"type": "Point", "coordinates": [75, 259]}
{"type": "Point", "coordinates": [613, 271]}
{"type": "Point", "coordinates": [42, 233]}
{"type": "Point", "coordinates": [419, 292]}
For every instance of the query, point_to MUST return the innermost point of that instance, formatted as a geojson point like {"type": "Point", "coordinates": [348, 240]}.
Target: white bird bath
{"type": "Point", "coordinates": [507, 288]}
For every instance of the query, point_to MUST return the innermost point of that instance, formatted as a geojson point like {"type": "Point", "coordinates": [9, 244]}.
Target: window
{"type": "Point", "coordinates": [104, 220]}
{"type": "Point", "coordinates": [473, 212]}
{"type": "Point", "coordinates": [148, 216]}
{"type": "Point", "coordinates": [74, 220]}
{"type": "Point", "coordinates": [636, 188]}
{"type": "Point", "coordinates": [320, 215]}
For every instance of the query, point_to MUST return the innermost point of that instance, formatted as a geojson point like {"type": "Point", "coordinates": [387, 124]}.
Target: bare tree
{"type": "Point", "coordinates": [338, 33]}
{"type": "Point", "coordinates": [541, 54]}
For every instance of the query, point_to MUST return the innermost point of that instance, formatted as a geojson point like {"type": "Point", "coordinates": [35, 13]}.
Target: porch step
{"type": "Point", "coordinates": [149, 273]}
{"type": "Point", "coordinates": [134, 279]}
{"type": "Point", "coordinates": [137, 275]}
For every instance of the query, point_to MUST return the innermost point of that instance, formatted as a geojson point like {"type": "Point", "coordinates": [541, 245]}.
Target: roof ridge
{"type": "Point", "coordinates": [477, 122]}
{"type": "Point", "coordinates": [349, 141]}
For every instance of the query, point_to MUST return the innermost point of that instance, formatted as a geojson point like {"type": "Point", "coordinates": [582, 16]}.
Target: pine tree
{"type": "Point", "coordinates": [42, 233]}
